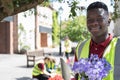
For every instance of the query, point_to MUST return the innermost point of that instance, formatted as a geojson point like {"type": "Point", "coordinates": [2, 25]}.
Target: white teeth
{"type": "Point", "coordinates": [95, 28]}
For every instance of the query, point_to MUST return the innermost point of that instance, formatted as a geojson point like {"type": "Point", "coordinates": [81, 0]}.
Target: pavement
{"type": "Point", "coordinates": [13, 66]}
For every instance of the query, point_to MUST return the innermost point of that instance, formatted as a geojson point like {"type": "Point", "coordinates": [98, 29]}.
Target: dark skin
{"type": "Point", "coordinates": [97, 24]}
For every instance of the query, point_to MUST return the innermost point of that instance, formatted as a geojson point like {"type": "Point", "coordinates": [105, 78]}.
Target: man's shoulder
{"type": "Point", "coordinates": [82, 42]}
{"type": "Point", "coordinates": [116, 38]}
{"type": "Point", "coordinates": [85, 40]}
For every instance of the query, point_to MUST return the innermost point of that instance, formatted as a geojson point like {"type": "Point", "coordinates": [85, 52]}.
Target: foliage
{"type": "Point", "coordinates": [55, 28]}
{"type": "Point", "coordinates": [75, 29]}
{"type": "Point", "coordinates": [116, 13]}
{"type": "Point", "coordinates": [12, 7]}
{"type": "Point", "coordinates": [21, 32]}
{"type": "Point", "coordinates": [73, 9]}
{"type": "Point", "coordinates": [16, 6]}
{"type": "Point", "coordinates": [73, 12]}
{"type": "Point", "coordinates": [46, 3]}
{"type": "Point", "coordinates": [19, 3]}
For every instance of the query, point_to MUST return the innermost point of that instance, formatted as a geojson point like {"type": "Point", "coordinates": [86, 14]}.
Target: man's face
{"type": "Point", "coordinates": [97, 22]}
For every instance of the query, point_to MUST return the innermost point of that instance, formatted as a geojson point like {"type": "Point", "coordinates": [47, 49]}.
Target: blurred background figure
{"type": "Point", "coordinates": [50, 64]}
{"type": "Point", "coordinates": [38, 72]}
{"type": "Point", "coordinates": [68, 47]}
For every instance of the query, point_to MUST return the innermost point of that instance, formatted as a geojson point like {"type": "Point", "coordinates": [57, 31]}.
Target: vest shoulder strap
{"type": "Point", "coordinates": [80, 47]}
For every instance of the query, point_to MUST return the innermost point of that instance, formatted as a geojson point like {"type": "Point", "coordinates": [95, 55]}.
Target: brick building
{"type": "Point", "coordinates": [39, 37]}
{"type": "Point", "coordinates": [8, 34]}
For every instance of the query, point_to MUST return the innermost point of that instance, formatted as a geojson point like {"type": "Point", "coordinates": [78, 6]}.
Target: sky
{"type": "Point", "coordinates": [66, 9]}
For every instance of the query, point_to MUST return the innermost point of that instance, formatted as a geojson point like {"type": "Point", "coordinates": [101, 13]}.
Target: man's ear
{"type": "Point", "coordinates": [110, 18]}
{"type": "Point", "coordinates": [109, 22]}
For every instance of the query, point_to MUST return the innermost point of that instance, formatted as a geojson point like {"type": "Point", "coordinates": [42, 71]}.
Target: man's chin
{"type": "Point", "coordinates": [95, 31]}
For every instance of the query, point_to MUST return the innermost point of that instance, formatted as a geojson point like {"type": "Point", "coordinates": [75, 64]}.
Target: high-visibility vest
{"type": "Point", "coordinates": [36, 71]}
{"type": "Point", "coordinates": [111, 53]}
{"type": "Point", "coordinates": [50, 65]}
{"type": "Point", "coordinates": [67, 45]}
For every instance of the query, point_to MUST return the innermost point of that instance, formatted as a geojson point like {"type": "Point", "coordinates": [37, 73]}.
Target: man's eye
{"type": "Point", "coordinates": [90, 20]}
{"type": "Point", "coordinates": [100, 19]}
{"type": "Point", "coordinates": [97, 19]}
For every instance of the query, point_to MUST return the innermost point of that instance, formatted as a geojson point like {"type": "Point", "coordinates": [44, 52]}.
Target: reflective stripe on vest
{"type": "Point", "coordinates": [36, 71]}
{"type": "Point", "coordinates": [50, 65]}
{"type": "Point", "coordinates": [111, 53]}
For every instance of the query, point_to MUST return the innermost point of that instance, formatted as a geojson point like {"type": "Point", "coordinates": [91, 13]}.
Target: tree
{"type": "Point", "coordinates": [55, 28]}
{"type": "Point", "coordinates": [75, 29]}
{"type": "Point", "coordinates": [22, 39]}
{"type": "Point", "coordinates": [12, 7]}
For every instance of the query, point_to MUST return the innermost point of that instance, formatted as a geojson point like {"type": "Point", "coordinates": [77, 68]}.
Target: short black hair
{"type": "Point", "coordinates": [97, 4]}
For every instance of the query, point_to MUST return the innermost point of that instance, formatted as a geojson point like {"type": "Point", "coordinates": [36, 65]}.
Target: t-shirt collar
{"type": "Point", "coordinates": [105, 43]}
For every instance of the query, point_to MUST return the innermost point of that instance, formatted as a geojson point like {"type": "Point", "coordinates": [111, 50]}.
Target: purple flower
{"type": "Point", "coordinates": [93, 68]}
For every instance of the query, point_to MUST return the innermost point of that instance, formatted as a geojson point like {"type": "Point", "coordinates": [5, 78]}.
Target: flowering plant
{"type": "Point", "coordinates": [93, 68]}
{"type": "Point", "coordinates": [56, 77]}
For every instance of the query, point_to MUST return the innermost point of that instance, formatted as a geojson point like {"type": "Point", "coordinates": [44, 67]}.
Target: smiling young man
{"type": "Point", "coordinates": [101, 43]}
